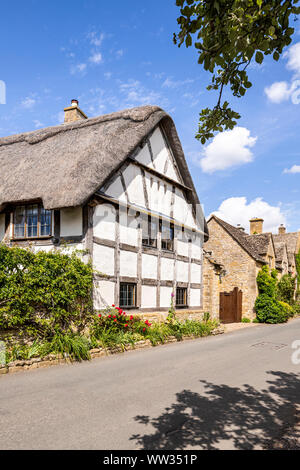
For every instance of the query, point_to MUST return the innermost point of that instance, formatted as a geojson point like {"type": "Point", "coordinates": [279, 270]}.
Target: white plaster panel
{"type": "Point", "coordinates": [128, 264]}
{"type": "Point", "coordinates": [134, 185]}
{"type": "Point", "coordinates": [116, 190]}
{"type": "Point", "coordinates": [103, 294]}
{"type": "Point", "coordinates": [195, 273]}
{"type": "Point", "coordinates": [149, 266]}
{"type": "Point", "coordinates": [104, 221]}
{"type": "Point", "coordinates": [2, 226]}
{"type": "Point", "coordinates": [71, 222]}
{"type": "Point", "coordinates": [182, 271]}
{"type": "Point", "coordinates": [196, 247]}
{"type": "Point", "coordinates": [165, 296]}
{"type": "Point", "coordinates": [195, 297]}
{"type": "Point", "coordinates": [148, 297]}
{"type": "Point", "coordinates": [104, 259]}
{"type": "Point", "coordinates": [182, 245]}
{"type": "Point", "coordinates": [144, 156]}
{"type": "Point", "coordinates": [167, 269]}
{"type": "Point", "coordinates": [128, 228]}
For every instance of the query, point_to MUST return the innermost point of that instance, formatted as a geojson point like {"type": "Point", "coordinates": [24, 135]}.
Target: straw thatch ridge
{"type": "Point", "coordinates": [65, 165]}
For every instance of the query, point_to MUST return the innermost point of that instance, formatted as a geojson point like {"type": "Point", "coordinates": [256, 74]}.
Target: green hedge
{"type": "Point", "coordinates": [44, 293]}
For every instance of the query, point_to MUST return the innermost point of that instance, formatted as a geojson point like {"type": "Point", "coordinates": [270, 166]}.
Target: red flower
{"type": "Point", "coordinates": [99, 315]}
{"type": "Point", "coordinates": [120, 310]}
{"type": "Point", "coordinates": [125, 325]}
{"type": "Point", "coordinates": [109, 316]}
{"type": "Point", "coordinates": [114, 316]}
{"type": "Point", "coordinates": [115, 320]}
{"type": "Point", "coordinates": [113, 305]}
{"type": "Point", "coordinates": [144, 329]}
{"type": "Point", "coordinates": [131, 317]}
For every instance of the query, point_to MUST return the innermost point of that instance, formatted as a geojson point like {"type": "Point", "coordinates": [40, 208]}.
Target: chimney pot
{"type": "Point", "coordinates": [256, 225]}
{"type": "Point", "coordinates": [281, 229]}
{"type": "Point", "coordinates": [74, 113]}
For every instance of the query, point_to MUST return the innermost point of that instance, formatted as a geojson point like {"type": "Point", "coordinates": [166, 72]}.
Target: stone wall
{"type": "Point", "coordinates": [241, 271]}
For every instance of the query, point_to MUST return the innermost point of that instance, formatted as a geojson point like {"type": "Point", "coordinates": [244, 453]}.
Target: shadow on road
{"type": "Point", "coordinates": [245, 416]}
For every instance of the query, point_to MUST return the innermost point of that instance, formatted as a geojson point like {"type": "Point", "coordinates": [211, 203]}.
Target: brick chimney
{"type": "Point", "coordinates": [281, 229]}
{"type": "Point", "coordinates": [256, 225]}
{"type": "Point", "coordinates": [74, 113]}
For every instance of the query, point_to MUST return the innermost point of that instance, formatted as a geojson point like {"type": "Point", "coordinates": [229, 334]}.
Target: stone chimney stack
{"type": "Point", "coordinates": [281, 229]}
{"type": "Point", "coordinates": [74, 113]}
{"type": "Point", "coordinates": [256, 225]}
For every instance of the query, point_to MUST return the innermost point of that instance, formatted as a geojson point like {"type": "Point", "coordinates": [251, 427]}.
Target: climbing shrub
{"type": "Point", "coordinates": [268, 308]}
{"type": "Point", "coordinates": [44, 294]}
{"type": "Point", "coordinates": [286, 288]}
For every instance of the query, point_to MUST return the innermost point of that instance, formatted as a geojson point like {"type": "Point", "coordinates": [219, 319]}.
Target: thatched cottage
{"type": "Point", "coordinates": [232, 260]}
{"type": "Point", "coordinates": [118, 186]}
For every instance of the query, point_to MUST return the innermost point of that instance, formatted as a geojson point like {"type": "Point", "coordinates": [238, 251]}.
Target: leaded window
{"type": "Point", "coordinates": [167, 236]}
{"type": "Point", "coordinates": [32, 221]}
{"type": "Point", "coordinates": [127, 295]}
{"type": "Point", "coordinates": [150, 230]}
{"type": "Point", "coordinates": [181, 297]}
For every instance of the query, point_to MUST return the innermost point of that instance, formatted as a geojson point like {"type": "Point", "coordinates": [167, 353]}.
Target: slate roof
{"type": "Point", "coordinates": [252, 247]}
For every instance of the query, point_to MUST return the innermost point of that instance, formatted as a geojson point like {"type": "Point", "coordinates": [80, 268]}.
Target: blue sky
{"type": "Point", "coordinates": [115, 55]}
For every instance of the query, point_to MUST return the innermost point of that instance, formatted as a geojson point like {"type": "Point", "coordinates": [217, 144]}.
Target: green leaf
{"type": "Point", "coordinates": [276, 55]}
{"type": "Point", "coordinates": [259, 57]}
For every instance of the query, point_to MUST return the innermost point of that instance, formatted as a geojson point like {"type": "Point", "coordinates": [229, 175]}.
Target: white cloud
{"type": "Point", "coordinates": [79, 68]}
{"type": "Point", "coordinates": [37, 123]}
{"type": "Point", "coordinates": [228, 149]}
{"type": "Point", "coordinates": [293, 55]}
{"type": "Point", "coordinates": [235, 210]}
{"type": "Point", "coordinates": [282, 91]}
{"type": "Point", "coordinates": [28, 102]}
{"type": "Point", "coordinates": [169, 83]}
{"type": "Point", "coordinates": [119, 53]}
{"type": "Point", "coordinates": [96, 40]}
{"type": "Point", "coordinates": [278, 92]}
{"type": "Point", "coordinates": [293, 169]}
{"type": "Point", "coordinates": [96, 58]}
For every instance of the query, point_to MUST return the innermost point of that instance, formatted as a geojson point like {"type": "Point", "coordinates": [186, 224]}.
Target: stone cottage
{"type": "Point", "coordinates": [117, 186]}
{"type": "Point", "coordinates": [232, 260]}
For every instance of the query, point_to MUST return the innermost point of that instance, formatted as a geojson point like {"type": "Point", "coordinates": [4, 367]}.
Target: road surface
{"type": "Point", "coordinates": [233, 391]}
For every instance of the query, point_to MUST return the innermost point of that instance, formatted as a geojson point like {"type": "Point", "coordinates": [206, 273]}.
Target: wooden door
{"type": "Point", "coordinates": [231, 306]}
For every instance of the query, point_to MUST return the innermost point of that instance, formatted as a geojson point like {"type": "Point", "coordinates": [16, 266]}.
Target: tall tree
{"type": "Point", "coordinates": [229, 35]}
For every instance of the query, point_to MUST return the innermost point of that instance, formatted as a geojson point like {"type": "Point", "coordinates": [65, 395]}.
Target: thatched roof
{"type": "Point", "coordinates": [66, 164]}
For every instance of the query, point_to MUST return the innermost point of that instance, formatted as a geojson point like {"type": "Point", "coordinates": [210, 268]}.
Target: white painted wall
{"type": "Point", "coordinates": [2, 226]}
{"type": "Point", "coordinates": [128, 228]}
{"type": "Point", "coordinates": [182, 271]}
{"type": "Point", "coordinates": [148, 296]}
{"type": "Point", "coordinates": [195, 273]}
{"type": "Point", "coordinates": [128, 264]}
{"type": "Point", "coordinates": [167, 269]}
{"type": "Point", "coordinates": [104, 221]}
{"type": "Point", "coordinates": [104, 259]}
{"type": "Point", "coordinates": [161, 154]}
{"type": "Point", "coordinates": [195, 297]}
{"type": "Point", "coordinates": [149, 266]}
{"type": "Point", "coordinates": [71, 222]}
{"type": "Point", "coordinates": [165, 296]}
{"type": "Point", "coordinates": [103, 294]}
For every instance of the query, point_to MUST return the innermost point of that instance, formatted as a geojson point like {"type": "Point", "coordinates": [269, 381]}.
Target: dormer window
{"type": "Point", "coordinates": [32, 221]}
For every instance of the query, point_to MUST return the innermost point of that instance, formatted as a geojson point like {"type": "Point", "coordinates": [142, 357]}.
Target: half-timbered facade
{"type": "Point", "coordinates": [119, 187]}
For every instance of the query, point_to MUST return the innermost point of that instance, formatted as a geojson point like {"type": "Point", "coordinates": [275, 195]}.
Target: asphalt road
{"type": "Point", "coordinates": [233, 391]}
